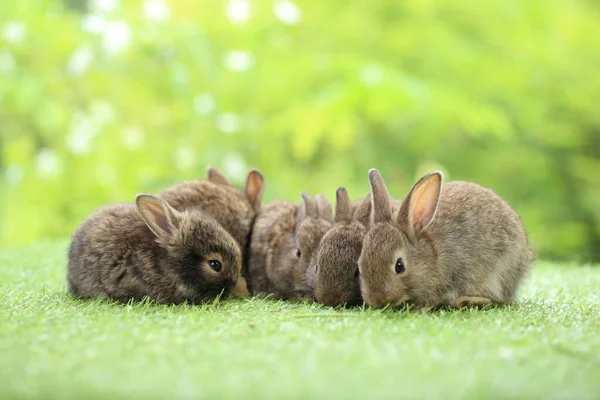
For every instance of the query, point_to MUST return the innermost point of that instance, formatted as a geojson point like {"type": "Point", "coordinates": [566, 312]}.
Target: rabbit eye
{"type": "Point", "coordinates": [215, 265]}
{"type": "Point", "coordinates": [298, 252]}
{"type": "Point", "coordinates": [400, 266]}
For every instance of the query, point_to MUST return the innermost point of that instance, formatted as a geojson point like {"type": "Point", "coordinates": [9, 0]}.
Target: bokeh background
{"type": "Point", "coordinates": [100, 100]}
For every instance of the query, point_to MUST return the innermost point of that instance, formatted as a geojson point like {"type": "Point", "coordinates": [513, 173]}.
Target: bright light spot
{"type": "Point", "coordinates": [204, 104]}
{"type": "Point", "coordinates": [116, 36]}
{"type": "Point", "coordinates": [102, 112]}
{"type": "Point", "coordinates": [132, 137]}
{"type": "Point", "coordinates": [104, 5]}
{"type": "Point", "coordinates": [14, 174]}
{"type": "Point", "coordinates": [234, 166]}
{"type": "Point", "coordinates": [80, 61]}
{"type": "Point", "coordinates": [94, 23]}
{"type": "Point", "coordinates": [228, 123]}
{"type": "Point", "coordinates": [47, 163]}
{"type": "Point", "coordinates": [371, 75]}
{"type": "Point", "coordinates": [238, 11]}
{"type": "Point", "coordinates": [7, 62]}
{"type": "Point", "coordinates": [238, 61]}
{"type": "Point", "coordinates": [287, 12]}
{"type": "Point", "coordinates": [156, 10]}
{"type": "Point", "coordinates": [185, 158]}
{"type": "Point", "coordinates": [80, 134]}
{"type": "Point", "coordinates": [13, 31]}
{"type": "Point", "coordinates": [106, 175]}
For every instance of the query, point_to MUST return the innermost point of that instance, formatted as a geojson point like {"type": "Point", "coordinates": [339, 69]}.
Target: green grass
{"type": "Point", "coordinates": [52, 346]}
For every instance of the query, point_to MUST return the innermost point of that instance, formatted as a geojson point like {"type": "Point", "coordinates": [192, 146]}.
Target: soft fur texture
{"type": "Point", "coordinates": [282, 246]}
{"type": "Point", "coordinates": [123, 252]}
{"type": "Point", "coordinates": [460, 244]}
{"type": "Point", "coordinates": [231, 207]}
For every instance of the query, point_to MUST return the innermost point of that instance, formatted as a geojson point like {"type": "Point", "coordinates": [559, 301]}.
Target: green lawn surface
{"type": "Point", "coordinates": [547, 345]}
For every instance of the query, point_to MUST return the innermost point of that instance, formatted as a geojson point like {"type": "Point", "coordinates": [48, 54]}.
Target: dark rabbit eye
{"type": "Point", "coordinates": [298, 252]}
{"type": "Point", "coordinates": [215, 265]}
{"type": "Point", "coordinates": [400, 266]}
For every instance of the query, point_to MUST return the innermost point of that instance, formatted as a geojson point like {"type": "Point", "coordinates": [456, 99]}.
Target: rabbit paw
{"type": "Point", "coordinates": [471, 301]}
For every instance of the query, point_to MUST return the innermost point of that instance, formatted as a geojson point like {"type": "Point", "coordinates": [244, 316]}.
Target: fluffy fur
{"type": "Point", "coordinates": [123, 252]}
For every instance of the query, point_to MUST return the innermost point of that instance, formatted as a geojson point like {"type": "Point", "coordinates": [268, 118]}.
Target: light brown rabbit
{"type": "Point", "coordinates": [127, 251]}
{"type": "Point", "coordinates": [283, 241]}
{"type": "Point", "coordinates": [458, 244]}
{"type": "Point", "coordinates": [233, 208]}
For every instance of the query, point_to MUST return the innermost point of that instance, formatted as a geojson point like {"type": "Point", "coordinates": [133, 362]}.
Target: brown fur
{"type": "Point", "coordinates": [231, 207]}
{"type": "Point", "coordinates": [458, 240]}
{"type": "Point", "coordinates": [281, 232]}
{"type": "Point", "coordinates": [123, 252]}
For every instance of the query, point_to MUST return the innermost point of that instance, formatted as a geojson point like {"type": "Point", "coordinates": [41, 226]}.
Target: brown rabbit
{"type": "Point", "coordinates": [127, 251]}
{"type": "Point", "coordinates": [283, 240]}
{"type": "Point", "coordinates": [459, 244]}
{"type": "Point", "coordinates": [233, 208]}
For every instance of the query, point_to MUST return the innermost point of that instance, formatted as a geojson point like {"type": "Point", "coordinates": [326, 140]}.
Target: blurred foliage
{"type": "Point", "coordinates": [102, 100]}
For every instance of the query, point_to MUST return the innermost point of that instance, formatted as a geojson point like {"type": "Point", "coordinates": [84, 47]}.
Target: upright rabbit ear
{"type": "Point", "coordinates": [309, 207]}
{"type": "Point", "coordinates": [217, 177]}
{"type": "Point", "coordinates": [342, 205]}
{"type": "Point", "coordinates": [323, 207]}
{"type": "Point", "coordinates": [362, 213]}
{"type": "Point", "coordinates": [420, 206]}
{"type": "Point", "coordinates": [255, 184]}
{"type": "Point", "coordinates": [380, 198]}
{"type": "Point", "coordinates": [157, 214]}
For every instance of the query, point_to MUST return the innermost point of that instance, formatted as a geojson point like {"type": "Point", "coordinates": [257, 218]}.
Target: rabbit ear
{"type": "Point", "coordinates": [217, 177]}
{"type": "Point", "coordinates": [380, 198]}
{"type": "Point", "coordinates": [255, 183]}
{"type": "Point", "coordinates": [420, 206]}
{"type": "Point", "coordinates": [362, 213]}
{"type": "Point", "coordinates": [309, 208]}
{"type": "Point", "coordinates": [342, 205]}
{"type": "Point", "coordinates": [157, 214]}
{"type": "Point", "coordinates": [323, 207]}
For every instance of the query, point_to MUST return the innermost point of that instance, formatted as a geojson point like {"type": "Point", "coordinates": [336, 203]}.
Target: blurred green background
{"type": "Point", "coordinates": [101, 100]}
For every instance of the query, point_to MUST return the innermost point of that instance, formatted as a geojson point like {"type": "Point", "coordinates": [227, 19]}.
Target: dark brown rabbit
{"type": "Point", "coordinates": [458, 244]}
{"type": "Point", "coordinates": [233, 208]}
{"type": "Point", "coordinates": [283, 240]}
{"type": "Point", "coordinates": [127, 251]}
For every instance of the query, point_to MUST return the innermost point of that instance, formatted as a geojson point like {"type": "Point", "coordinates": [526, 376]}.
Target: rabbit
{"type": "Point", "coordinates": [283, 240]}
{"type": "Point", "coordinates": [458, 244]}
{"type": "Point", "coordinates": [233, 208]}
{"type": "Point", "coordinates": [127, 251]}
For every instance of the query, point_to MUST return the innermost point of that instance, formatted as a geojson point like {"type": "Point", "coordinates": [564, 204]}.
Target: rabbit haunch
{"type": "Point", "coordinates": [457, 244]}
{"type": "Point", "coordinates": [126, 252]}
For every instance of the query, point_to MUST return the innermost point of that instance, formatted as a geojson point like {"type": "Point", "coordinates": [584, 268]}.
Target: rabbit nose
{"type": "Point", "coordinates": [330, 300]}
{"type": "Point", "coordinates": [376, 299]}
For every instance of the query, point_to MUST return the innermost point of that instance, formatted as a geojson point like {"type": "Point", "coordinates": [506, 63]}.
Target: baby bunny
{"type": "Point", "coordinates": [127, 251]}
{"type": "Point", "coordinates": [459, 244]}
{"type": "Point", "coordinates": [336, 264]}
{"type": "Point", "coordinates": [283, 241]}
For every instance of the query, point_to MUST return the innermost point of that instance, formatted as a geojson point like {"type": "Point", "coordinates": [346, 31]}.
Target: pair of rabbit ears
{"type": "Point", "coordinates": [160, 217]}
{"type": "Point", "coordinates": [345, 212]}
{"type": "Point", "coordinates": [255, 183]}
{"type": "Point", "coordinates": [319, 207]}
{"type": "Point", "coordinates": [418, 209]}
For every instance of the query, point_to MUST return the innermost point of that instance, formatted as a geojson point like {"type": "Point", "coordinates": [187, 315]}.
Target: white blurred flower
{"type": "Point", "coordinates": [14, 31]}
{"type": "Point", "coordinates": [116, 36]}
{"type": "Point", "coordinates": [104, 5]}
{"type": "Point", "coordinates": [47, 163]}
{"type": "Point", "coordinates": [238, 11]}
{"type": "Point", "coordinates": [287, 12]}
{"type": "Point", "coordinates": [234, 166]}
{"type": "Point", "coordinates": [94, 23]}
{"type": "Point", "coordinates": [204, 104]}
{"type": "Point", "coordinates": [80, 134]}
{"type": "Point", "coordinates": [156, 10]}
{"type": "Point", "coordinates": [184, 158]}
{"type": "Point", "coordinates": [238, 60]}
{"type": "Point", "coordinates": [132, 137]}
{"type": "Point", "coordinates": [228, 123]}
{"type": "Point", "coordinates": [7, 62]}
{"type": "Point", "coordinates": [80, 61]}
{"type": "Point", "coordinates": [106, 175]}
{"type": "Point", "coordinates": [14, 174]}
